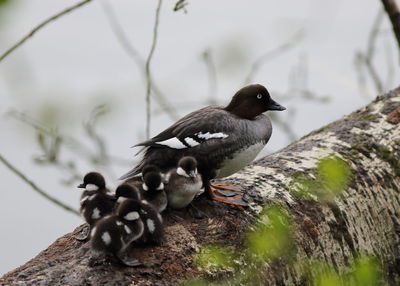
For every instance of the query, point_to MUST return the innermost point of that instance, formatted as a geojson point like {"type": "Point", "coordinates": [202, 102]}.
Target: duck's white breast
{"type": "Point", "coordinates": [240, 159]}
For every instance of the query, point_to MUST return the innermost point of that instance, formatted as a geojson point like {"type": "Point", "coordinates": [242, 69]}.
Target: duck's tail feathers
{"type": "Point", "coordinates": [132, 173]}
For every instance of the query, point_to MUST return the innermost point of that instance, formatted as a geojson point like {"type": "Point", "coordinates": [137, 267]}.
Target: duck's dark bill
{"type": "Point", "coordinates": [273, 105]}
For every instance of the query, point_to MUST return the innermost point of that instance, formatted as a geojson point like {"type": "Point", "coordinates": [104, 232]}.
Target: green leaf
{"type": "Point", "coordinates": [271, 236]}
{"type": "Point", "coordinates": [334, 174]}
{"type": "Point", "coordinates": [366, 271]}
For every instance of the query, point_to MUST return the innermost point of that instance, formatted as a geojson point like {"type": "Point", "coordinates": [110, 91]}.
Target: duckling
{"type": "Point", "coordinates": [153, 222]}
{"type": "Point", "coordinates": [138, 180]}
{"type": "Point", "coordinates": [127, 191]}
{"type": "Point", "coordinates": [152, 191]}
{"type": "Point", "coordinates": [95, 203]}
{"type": "Point", "coordinates": [183, 183]}
{"type": "Point", "coordinates": [114, 233]}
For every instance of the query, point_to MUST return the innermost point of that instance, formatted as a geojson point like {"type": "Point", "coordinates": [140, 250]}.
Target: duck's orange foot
{"type": "Point", "coordinates": [227, 190]}
{"type": "Point", "coordinates": [229, 194]}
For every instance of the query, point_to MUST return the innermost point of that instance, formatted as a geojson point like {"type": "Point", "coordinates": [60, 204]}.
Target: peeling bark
{"type": "Point", "coordinates": [364, 219]}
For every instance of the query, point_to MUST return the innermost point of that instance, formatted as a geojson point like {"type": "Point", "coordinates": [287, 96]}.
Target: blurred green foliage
{"type": "Point", "coordinates": [363, 271]}
{"type": "Point", "coordinates": [270, 239]}
{"type": "Point", "coordinates": [270, 236]}
{"type": "Point", "coordinates": [215, 258]}
{"type": "Point", "coordinates": [330, 178]}
{"type": "Point", "coordinates": [367, 271]}
{"type": "Point", "coordinates": [3, 3]}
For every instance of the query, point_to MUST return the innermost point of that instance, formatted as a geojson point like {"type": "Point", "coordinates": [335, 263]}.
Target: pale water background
{"type": "Point", "coordinates": [76, 63]}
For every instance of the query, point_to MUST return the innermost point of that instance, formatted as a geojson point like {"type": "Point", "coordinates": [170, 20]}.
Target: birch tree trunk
{"type": "Point", "coordinates": [365, 218]}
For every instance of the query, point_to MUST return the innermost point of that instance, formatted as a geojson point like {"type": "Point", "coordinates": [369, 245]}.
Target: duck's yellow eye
{"type": "Point", "coordinates": [259, 96]}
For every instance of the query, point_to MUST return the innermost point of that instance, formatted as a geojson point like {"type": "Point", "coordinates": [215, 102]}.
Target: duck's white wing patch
{"type": "Point", "coordinates": [127, 229]}
{"type": "Point", "coordinates": [96, 213]}
{"type": "Point", "coordinates": [208, 135]}
{"type": "Point", "coordinates": [173, 143]}
{"type": "Point", "coordinates": [191, 142]}
{"type": "Point", "coordinates": [150, 225]}
{"type": "Point", "coordinates": [106, 237]}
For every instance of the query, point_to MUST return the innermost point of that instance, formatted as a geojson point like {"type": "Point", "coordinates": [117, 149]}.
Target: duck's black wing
{"type": "Point", "coordinates": [198, 133]}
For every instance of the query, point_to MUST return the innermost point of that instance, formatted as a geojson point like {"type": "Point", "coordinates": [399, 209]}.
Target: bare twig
{"type": "Point", "coordinates": [102, 156]}
{"type": "Point", "coordinates": [273, 54]}
{"type": "Point", "coordinates": [121, 35]}
{"type": "Point", "coordinates": [73, 144]}
{"type": "Point", "coordinates": [148, 72]}
{"type": "Point", "coordinates": [390, 66]}
{"type": "Point", "coordinates": [212, 77]}
{"type": "Point", "coordinates": [41, 25]}
{"type": "Point", "coordinates": [137, 58]}
{"type": "Point", "coordinates": [36, 188]}
{"type": "Point", "coordinates": [367, 58]}
{"type": "Point", "coordinates": [394, 15]}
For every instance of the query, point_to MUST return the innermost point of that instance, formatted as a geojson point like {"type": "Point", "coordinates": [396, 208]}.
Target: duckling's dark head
{"type": "Point", "coordinates": [187, 166]}
{"type": "Point", "coordinates": [93, 181]}
{"type": "Point", "coordinates": [252, 100]}
{"type": "Point", "coordinates": [152, 181]}
{"type": "Point", "coordinates": [126, 191]}
{"type": "Point", "coordinates": [149, 168]}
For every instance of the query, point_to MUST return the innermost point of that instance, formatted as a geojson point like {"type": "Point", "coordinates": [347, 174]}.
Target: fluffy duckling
{"type": "Point", "coordinates": [152, 191]}
{"type": "Point", "coordinates": [114, 233]}
{"type": "Point", "coordinates": [183, 183]}
{"type": "Point", "coordinates": [153, 222]}
{"type": "Point", "coordinates": [96, 201]}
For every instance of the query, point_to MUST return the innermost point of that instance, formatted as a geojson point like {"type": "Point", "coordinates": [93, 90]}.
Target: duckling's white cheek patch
{"type": "Point", "coordinates": [96, 213]}
{"type": "Point", "coordinates": [181, 172]}
{"type": "Point", "coordinates": [150, 225]}
{"type": "Point", "coordinates": [119, 222]}
{"type": "Point", "coordinates": [91, 187]}
{"type": "Point", "coordinates": [173, 143]}
{"type": "Point", "coordinates": [106, 238]}
{"type": "Point", "coordinates": [121, 199]}
{"type": "Point", "coordinates": [131, 216]}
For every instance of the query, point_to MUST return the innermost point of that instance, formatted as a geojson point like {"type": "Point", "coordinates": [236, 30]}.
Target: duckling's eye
{"type": "Point", "coordinates": [259, 96]}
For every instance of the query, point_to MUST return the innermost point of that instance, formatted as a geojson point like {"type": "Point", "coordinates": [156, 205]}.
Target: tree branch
{"type": "Point", "coordinates": [131, 51]}
{"type": "Point", "coordinates": [36, 188]}
{"type": "Point", "coordinates": [148, 72]}
{"type": "Point", "coordinates": [257, 64]}
{"type": "Point", "coordinates": [41, 25]}
{"type": "Point", "coordinates": [394, 15]}
{"type": "Point", "coordinates": [362, 219]}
